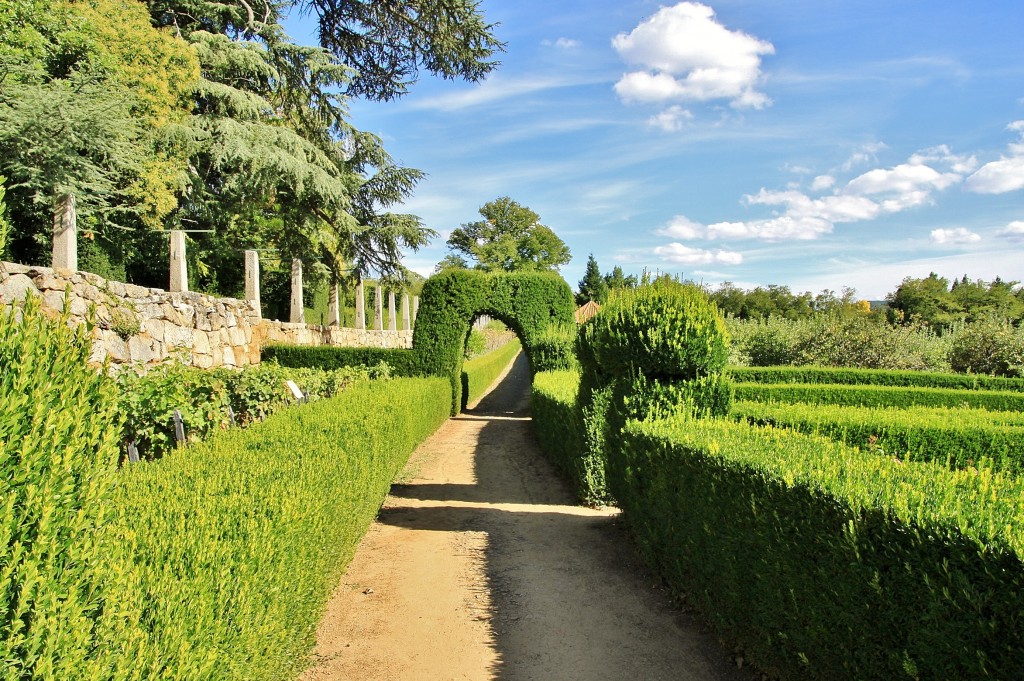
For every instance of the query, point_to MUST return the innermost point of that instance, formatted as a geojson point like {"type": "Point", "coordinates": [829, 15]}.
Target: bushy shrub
{"type": "Point", "coordinates": [554, 349]}
{"type": "Point", "coordinates": [822, 563]}
{"type": "Point", "coordinates": [476, 344]}
{"type": "Point", "coordinates": [59, 425]}
{"type": "Point", "coordinates": [988, 346]}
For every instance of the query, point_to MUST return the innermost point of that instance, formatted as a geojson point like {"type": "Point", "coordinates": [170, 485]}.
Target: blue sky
{"type": "Point", "coordinates": [814, 144]}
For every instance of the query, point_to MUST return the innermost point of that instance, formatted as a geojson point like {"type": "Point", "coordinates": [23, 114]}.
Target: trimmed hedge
{"type": "Point", "coordinates": [558, 424]}
{"type": "Point", "coordinates": [879, 396]}
{"type": "Point", "coordinates": [528, 303]}
{"type": "Point", "coordinates": [479, 373]}
{"type": "Point", "coordinates": [402, 362]}
{"type": "Point", "coordinates": [920, 379]}
{"type": "Point", "coordinates": [234, 544]}
{"type": "Point", "coordinates": [823, 563]}
{"type": "Point", "coordinates": [555, 349]}
{"type": "Point", "coordinates": [958, 438]}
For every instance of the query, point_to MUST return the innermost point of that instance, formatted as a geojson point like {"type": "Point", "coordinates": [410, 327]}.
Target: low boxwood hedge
{"type": "Point", "coordinates": [823, 562]}
{"type": "Point", "coordinates": [956, 437]}
{"type": "Point", "coordinates": [879, 396]}
{"type": "Point", "coordinates": [919, 379]}
{"type": "Point", "coordinates": [402, 362]}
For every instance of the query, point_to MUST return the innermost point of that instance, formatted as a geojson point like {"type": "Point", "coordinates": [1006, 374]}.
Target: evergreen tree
{"type": "Point", "coordinates": [592, 286]}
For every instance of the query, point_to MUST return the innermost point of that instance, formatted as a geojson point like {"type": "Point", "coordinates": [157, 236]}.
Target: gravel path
{"type": "Point", "coordinates": [480, 567]}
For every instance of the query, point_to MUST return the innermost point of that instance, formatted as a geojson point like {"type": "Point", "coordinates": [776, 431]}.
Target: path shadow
{"type": "Point", "coordinates": [569, 597]}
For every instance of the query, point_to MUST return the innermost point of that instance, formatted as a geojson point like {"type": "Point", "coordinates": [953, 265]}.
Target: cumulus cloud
{"type": "Point", "coordinates": [672, 119]}
{"type": "Point", "coordinates": [957, 236]}
{"type": "Point", "coordinates": [682, 227]}
{"type": "Point", "coordinates": [782, 228]}
{"type": "Point", "coordinates": [1004, 175]}
{"type": "Point", "coordinates": [1013, 231]}
{"type": "Point", "coordinates": [680, 254]}
{"type": "Point", "coordinates": [823, 182]}
{"type": "Point", "coordinates": [684, 54]}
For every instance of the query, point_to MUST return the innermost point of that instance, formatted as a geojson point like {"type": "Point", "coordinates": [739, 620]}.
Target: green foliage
{"type": "Point", "coordinates": [510, 238]}
{"type": "Point", "coordinates": [938, 303]}
{"type": "Point", "coordinates": [58, 448]}
{"type": "Point", "coordinates": [957, 437]}
{"type": "Point", "coordinates": [616, 279]}
{"type": "Point", "coordinates": [554, 349]}
{"type": "Point", "coordinates": [880, 396]}
{"type": "Point", "coordinates": [593, 286]}
{"type": "Point", "coordinates": [5, 224]}
{"type": "Point", "coordinates": [988, 346]}
{"type": "Point", "coordinates": [527, 302]}
{"type": "Point", "coordinates": [476, 343]}
{"type": "Point", "coordinates": [558, 423]}
{"type": "Point", "coordinates": [823, 563]}
{"type": "Point", "coordinates": [401, 362]}
{"type": "Point", "coordinates": [478, 374]}
{"type": "Point", "coordinates": [922, 379]}
{"type": "Point", "coordinates": [234, 544]}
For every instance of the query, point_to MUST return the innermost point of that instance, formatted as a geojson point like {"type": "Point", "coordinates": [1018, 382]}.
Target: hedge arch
{"type": "Point", "coordinates": [527, 302]}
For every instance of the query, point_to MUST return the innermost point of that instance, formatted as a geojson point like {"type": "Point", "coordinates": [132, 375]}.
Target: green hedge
{"type": "Point", "coordinates": [402, 362]}
{"type": "Point", "coordinates": [956, 437]}
{"type": "Point", "coordinates": [558, 424]}
{"type": "Point", "coordinates": [555, 349]}
{"type": "Point", "coordinates": [879, 396]}
{"type": "Point", "coordinates": [235, 544]}
{"type": "Point", "coordinates": [920, 379]}
{"type": "Point", "coordinates": [824, 563]}
{"type": "Point", "coordinates": [479, 373]}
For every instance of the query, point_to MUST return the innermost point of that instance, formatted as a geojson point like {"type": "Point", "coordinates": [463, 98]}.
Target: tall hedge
{"type": "Point", "coordinates": [528, 303]}
{"type": "Point", "coordinates": [59, 430]}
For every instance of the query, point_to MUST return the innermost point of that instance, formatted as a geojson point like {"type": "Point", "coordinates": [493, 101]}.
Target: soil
{"type": "Point", "coordinates": [480, 566]}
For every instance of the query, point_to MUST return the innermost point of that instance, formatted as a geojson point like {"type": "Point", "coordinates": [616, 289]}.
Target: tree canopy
{"type": "Point", "coordinates": [592, 286]}
{"type": "Point", "coordinates": [509, 238]}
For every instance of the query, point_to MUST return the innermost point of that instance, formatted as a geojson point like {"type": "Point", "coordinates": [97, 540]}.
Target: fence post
{"type": "Point", "coordinates": [415, 308]}
{"type": "Point", "coordinates": [65, 233]}
{"type": "Point", "coordinates": [252, 280]}
{"type": "Point", "coordinates": [360, 305]}
{"type": "Point", "coordinates": [296, 316]}
{"type": "Point", "coordinates": [179, 268]}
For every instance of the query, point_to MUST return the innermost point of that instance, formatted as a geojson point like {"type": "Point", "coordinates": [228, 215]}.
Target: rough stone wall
{"type": "Point", "coordinates": [141, 325]}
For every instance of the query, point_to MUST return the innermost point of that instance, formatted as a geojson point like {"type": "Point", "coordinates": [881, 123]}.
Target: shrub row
{"type": "Point", "coordinates": [478, 374]}
{"type": "Point", "coordinates": [202, 396]}
{"type": "Point", "coordinates": [233, 545]}
{"type": "Point", "coordinates": [402, 362]}
{"type": "Point", "coordinates": [824, 563]}
{"type": "Point", "coordinates": [879, 396]}
{"type": "Point", "coordinates": [554, 349]}
{"type": "Point", "coordinates": [920, 379]}
{"type": "Point", "coordinates": [956, 437]}
{"type": "Point", "coordinates": [558, 424]}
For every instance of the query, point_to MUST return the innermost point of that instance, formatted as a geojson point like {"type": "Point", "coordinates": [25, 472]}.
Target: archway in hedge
{"type": "Point", "coordinates": [526, 302]}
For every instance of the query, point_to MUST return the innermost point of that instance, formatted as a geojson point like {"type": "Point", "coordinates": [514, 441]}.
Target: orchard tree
{"type": "Point", "coordinates": [509, 238]}
{"type": "Point", "coordinates": [592, 286]}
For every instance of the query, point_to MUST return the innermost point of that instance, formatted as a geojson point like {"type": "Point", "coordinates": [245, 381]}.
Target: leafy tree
{"type": "Point", "coordinates": [509, 238]}
{"type": "Point", "coordinates": [592, 286]}
{"type": "Point", "coordinates": [451, 261]}
{"type": "Point", "coordinates": [616, 279]}
{"type": "Point", "coordinates": [926, 300]}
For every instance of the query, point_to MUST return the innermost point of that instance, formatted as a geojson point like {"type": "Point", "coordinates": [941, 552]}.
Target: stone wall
{"type": "Point", "coordinates": [142, 325]}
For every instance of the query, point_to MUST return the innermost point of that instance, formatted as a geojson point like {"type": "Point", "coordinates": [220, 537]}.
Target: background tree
{"type": "Point", "coordinates": [509, 238]}
{"type": "Point", "coordinates": [616, 279]}
{"type": "Point", "coordinates": [592, 286]}
{"type": "Point", "coordinates": [924, 300]}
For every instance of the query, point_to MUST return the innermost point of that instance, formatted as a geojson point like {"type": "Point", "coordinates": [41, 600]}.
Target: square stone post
{"type": "Point", "coordinates": [296, 316]}
{"type": "Point", "coordinates": [360, 305]}
{"type": "Point", "coordinates": [179, 268]}
{"type": "Point", "coordinates": [392, 315]}
{"type": "Point", "coordinates": [378, 309]}
{"type": "Point", "coordinates": [406, 318]}
{"type": "Point", "coordinates": [65, 233]}
{"type": "Point", "coordinates": [252, 280]}
{"type": "Point", "coordinates": [333, 308]}
{"type": "Point", "coordinates": [415, 308]}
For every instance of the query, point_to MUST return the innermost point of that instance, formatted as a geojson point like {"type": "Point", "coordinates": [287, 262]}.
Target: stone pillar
{"type": "Point", "coordinates": [179, 268]}
{"type": "Point", "coordinates": [392, 315]}
{"type": "Point", "coordinates": [360, 306]}
{"type": "Point", "coordinates": [415, 308]}
{"type": "Point", "coordinates": [252, 279]}
{"type": "Point", "coordinates": [296, 316]}
{"type": "Point", "coordinates": [65, 233]}
{"type": "Point", "coordinates": [333, 308]}
{"type": "Point", "coordinates": [378, 309]}
{"type": "Point", "coordinates": [406, 318]}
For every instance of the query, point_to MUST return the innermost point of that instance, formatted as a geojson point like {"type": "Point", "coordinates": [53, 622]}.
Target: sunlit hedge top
{"type": "Point", "coordinates": [665, 330]}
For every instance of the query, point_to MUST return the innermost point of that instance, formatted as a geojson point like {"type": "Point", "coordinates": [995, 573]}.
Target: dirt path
{"type": "Point", "coordinates": [480, 567]}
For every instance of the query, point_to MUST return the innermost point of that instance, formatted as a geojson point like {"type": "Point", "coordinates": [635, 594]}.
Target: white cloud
{"type": "Point", "coordinates": [672, 119]}
{"type": "Point", "coordinates": [910, 181]}
{"type": "Point", "coordinates": [867, 153]}
{"type": "Point", "coordinates": [823, 182]}
{"type": "Point", "coordinates": [1004, 175]}
{"type": "Point", "coordinates": [783, 228]}
{"type": "Point", "coordinates": [954, 236]}
{"type": "Point", "coordinates": [686, 55]}
{"type": "Point", "coordinates": [562, 43]}
{"type": "Point", "coordinates": [942, 154]}
{"type": "Point", "coordinates": [682, 227]}
{"type": "Point", "coordinates": [494, 89]}
{"type": "Point", "coordinates": [679, 254]}
{"type": "Point", "coordinates": [833, 208]}
{"type": "Point", "coordinates": [1013, 231]}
